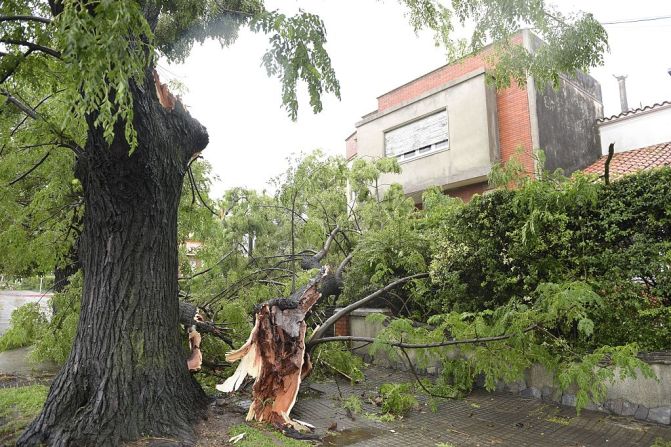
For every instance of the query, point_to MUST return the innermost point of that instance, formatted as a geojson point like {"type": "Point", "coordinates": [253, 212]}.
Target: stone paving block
{"type": "Point", "coordinates": [661, 415]}
{"type": "Point", "coordinates": [628, 409]}
{"type": "Point", "coordinates": [641, 413]}
{"type": "Point", "coordinates": [568, 400]}
{"type": "Point", "coordinates": [481, 419]}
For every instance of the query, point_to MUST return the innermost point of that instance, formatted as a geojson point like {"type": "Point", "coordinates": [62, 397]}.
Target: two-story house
{"type": "Point", "coordinates": [449, 127]}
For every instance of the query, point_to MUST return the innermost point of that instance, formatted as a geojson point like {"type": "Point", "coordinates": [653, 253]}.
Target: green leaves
{"type": "Point", "coordinates": [606, 364]}
{"type": "Point", "coordinates": [398, 398]}
{"type": "Point", "coordinates": [105, 45]}
{"type": "Point", "coordinates": [296, 54]}
{"type": "Point", "coordinates": [26, 323]}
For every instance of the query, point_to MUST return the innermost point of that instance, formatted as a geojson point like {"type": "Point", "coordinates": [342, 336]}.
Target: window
{"type": "Point", "coordinates": [428, 134]}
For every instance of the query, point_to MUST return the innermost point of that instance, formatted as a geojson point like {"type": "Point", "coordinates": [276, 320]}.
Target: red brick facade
{"type": "Point", "coordinates": [342, 326]}
{"type": "Point", "coordinates": [465, 193]}
{"type": "Point", "coordinates": [513, 105]}
{"type": "Point", "coordinates": [351, 146]}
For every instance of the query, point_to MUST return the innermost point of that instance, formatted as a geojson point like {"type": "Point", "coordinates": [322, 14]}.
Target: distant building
{"type": "Point", "coordinates": [192, 248]}
{"type": "Point", "coordinates": [448, 127]}
{"type": "Point", "coordinates": [636, 128]}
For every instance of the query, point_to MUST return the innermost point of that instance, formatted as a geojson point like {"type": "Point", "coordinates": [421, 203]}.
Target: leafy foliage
{"type": "Point", "coordinates": [24, 327]}
{"type": "Point", "coordinates": [297, 54]}
{"type": "Point", "coordinates": [612, 237]}
{"type": "Point", "coordinates": [55, 338]}
{"type": "Point", "coordinates": [397, 398]}
{"type": "Point", "coordinates": [353, 404]}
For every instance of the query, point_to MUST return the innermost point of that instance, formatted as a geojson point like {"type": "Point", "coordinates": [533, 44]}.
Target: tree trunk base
{"type": "Point", "coordinates": [90, 421]}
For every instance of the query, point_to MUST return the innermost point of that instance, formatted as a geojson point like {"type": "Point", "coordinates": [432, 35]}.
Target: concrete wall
{"type": "Point", "coordinates": [473, 138]}
{"type": "Point", "coordinates": [635, 131]}
{"type": "Point", "coordinates": [644, 399]}
{"type": "Point", "coordinates": [566, 120]}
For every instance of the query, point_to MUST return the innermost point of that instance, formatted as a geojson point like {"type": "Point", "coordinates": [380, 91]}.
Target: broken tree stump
{"type": "Point", "coordinates": [274, 354]}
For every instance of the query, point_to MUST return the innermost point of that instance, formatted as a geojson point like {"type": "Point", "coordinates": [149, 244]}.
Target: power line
{"type": "Point", "coordinates": [647, 19]}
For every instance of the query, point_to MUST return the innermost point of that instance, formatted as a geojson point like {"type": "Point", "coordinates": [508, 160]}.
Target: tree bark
{"type": "Point", "coordinates": [127, 376]}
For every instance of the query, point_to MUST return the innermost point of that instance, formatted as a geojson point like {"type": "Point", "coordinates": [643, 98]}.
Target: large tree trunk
{"type": "Point", "coordinates": [127, 376]}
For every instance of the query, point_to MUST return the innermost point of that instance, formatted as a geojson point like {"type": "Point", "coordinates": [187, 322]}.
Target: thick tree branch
{"type": "Point", "coordinates": [25, 19]}
{"type": "Point", "coordinates": [12, 69]}
{"type": "Point", "coordinates": [319, 332]}
{"type": "Point", "coordinates": [399, 344]}
{"type": "Point", "coordinates": [312, 262]}
{"type": "Point", "coordinates": [345, 262]}
{"type": "Point", "coordinates": [29, 111]}
{"type": "Point", "coordinates": [19, 105]}
{"type": "Point", "coordinates": [33, 46]}
{"type": "Point", "coordinates": [327, 245]}
{"type": "Point", "coordinates": [27, 173]}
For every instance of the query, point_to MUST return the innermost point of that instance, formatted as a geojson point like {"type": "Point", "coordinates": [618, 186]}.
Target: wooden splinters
{"type": "Point", "coordinates": [274, 355]}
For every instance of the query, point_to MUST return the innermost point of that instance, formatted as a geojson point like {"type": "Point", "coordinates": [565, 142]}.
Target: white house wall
{"type": "Point", "coordinates": [473, 139]}
{"type": "Point", "coordinates": [636, 131]}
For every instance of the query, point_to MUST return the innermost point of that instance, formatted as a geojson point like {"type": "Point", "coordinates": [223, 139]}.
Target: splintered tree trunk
{"type": "Point", "coordinates": [126, 375]}
{"type": "Point", "coordinates": [275, 356]}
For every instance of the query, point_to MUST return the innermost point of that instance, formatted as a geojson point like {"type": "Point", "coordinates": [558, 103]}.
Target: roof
{"type": "Point", "coordinates": [638, 111]}
{"type": "Point", "coordinates": [628, 162]}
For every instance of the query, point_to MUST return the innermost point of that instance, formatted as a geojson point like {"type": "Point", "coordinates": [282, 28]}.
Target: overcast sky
{"type": "Point", "coordinates": [373, 50]}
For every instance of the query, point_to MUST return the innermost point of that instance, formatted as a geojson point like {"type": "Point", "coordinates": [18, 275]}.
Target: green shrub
{"type": "Point", "coordinates": [616, 238]}
{"type": "Point", "coordinates": [25, 326]}
{"type": "Point", "coordinates": [398, 398]}
{"type": "Point", "coordinates": [353, 404]}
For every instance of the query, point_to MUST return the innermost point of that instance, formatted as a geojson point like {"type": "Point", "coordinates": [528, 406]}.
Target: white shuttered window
{"type": "Point", "coordinates": [419, 137]}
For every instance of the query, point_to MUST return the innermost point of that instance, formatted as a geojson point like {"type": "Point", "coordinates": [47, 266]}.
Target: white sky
{"type": "Point", "coordinates": [373, 50]}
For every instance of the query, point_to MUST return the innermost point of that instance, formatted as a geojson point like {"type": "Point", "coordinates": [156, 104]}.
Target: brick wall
{"type": "Point", "coordinates": [515, 125]}
{"type": "Point", "coordinates": [342, 326]}
{"type": "Point", "coordinates": [351, 146]}
{"type": "Point", "coordinates": [512, 103]}
{"type": "Point", "coordinates": [465, 193]}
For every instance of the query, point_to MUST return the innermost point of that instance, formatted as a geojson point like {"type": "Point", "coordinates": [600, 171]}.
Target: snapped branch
{"type": "Point", "coordinates": [440, 344]}
{"type": "Point", "coordinates": [319, 333]}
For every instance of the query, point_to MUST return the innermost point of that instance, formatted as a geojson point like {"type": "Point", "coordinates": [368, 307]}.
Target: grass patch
{"type": "Point", "coordinates": [659, 442]}
{"type": "Point", "coordinates": [353, 404]}
{"type": "Point", "coordinates": [385, 417]}
{"type": "Point", "coordinates": [19, 406]}
{"type": "Point", "coordinates": [559, 420]}
{"type": "Point", "coordinates": [260, 437]}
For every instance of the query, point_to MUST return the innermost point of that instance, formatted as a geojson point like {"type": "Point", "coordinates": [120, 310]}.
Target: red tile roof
{"type": "Point", "coordinates": [637, 111]}
{"type": "Point", "coordinates": [634, 160]}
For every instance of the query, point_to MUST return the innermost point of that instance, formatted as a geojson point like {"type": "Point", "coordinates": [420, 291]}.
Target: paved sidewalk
{"type": "Point", "coordinates": [482, 419]}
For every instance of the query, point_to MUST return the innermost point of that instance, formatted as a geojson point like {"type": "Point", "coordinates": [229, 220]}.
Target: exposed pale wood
{"type": "Point", "coordinates": [165, 98]}
{"type": "Point", "coordinates": [275, 356]}
{"type": "Point", "coordinates": [195, 360]}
